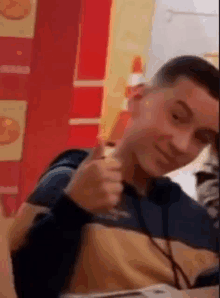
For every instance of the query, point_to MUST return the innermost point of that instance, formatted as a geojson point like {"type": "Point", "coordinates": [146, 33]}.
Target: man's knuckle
{"type": "Point", "coordinates": [113, 199]}
{"type": "Point", "coordinates": [120, 187]}
{"type": "Point", "coordinates": [119, 176]}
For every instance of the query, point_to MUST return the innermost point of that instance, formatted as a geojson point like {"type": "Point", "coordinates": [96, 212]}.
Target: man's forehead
{"type": "Point", "coordinates": [196, 94]}
{"type": "Point", "coordinates": [187, 87]}
{"type": "Point", "coordinates": [183, 88]}
{"type": "Point", "coordinates": [203, 105]}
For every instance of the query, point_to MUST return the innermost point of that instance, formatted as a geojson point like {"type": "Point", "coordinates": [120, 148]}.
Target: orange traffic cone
{"type": "Point", "coordinates": [135, 78]}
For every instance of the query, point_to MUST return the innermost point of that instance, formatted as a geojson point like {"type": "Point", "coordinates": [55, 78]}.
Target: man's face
{"type": "Point", "coordinates": [172, 127]}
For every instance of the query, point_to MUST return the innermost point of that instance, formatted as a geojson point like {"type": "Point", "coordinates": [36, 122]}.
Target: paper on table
{"type": "Point", "coordinates": [156, 291]}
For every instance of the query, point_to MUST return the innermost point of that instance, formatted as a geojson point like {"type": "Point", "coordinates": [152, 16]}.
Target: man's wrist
{"type": "Point", "coordinates": [70, 196]}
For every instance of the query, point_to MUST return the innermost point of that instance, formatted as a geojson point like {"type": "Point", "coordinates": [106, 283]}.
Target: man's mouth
{"type": "Point", "coordinates": [166, 158]}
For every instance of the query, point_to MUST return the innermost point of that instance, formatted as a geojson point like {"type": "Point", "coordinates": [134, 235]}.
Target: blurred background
{"type": "Point", "coordinates": [66, 67]}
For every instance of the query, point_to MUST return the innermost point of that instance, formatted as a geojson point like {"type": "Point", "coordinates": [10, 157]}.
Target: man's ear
{"type": "Point", "coordinates": [139, 91]}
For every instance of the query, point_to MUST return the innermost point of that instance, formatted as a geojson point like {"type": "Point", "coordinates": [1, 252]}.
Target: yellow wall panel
{"type": "Point", "coordinates": [130, 35]}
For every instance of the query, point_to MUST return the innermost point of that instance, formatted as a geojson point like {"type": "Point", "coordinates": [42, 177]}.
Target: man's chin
{"type": "Point", "coordinates": [150, 170]}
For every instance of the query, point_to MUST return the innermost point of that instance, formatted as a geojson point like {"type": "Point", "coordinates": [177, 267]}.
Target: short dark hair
{"type": "Point", "coordinates": [194, 68]}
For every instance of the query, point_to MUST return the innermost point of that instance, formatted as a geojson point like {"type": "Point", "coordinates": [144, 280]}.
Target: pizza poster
{"type": "Point", "coordinates": [17, 18]}
{"type": "Point", "coordinates": [12, 128]}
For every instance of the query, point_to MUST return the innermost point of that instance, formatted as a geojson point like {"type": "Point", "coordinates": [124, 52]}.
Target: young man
{"type": "Point", "coordinates": [164, 237]}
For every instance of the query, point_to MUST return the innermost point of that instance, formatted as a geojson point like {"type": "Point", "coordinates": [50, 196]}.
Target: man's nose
{"type": "Point", "coordinates": [182, 142]}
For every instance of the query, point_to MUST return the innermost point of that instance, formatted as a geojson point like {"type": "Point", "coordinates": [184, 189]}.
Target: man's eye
{"type": "Point", "coordinates": [176, 117]}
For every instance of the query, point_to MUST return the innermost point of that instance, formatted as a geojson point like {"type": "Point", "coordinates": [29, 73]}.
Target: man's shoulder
{"type": "Point", "coordinates": [168, 208]}
{"type": "Point", "coordinates": [71, 158]}
{"type": "Point", "coordinates": [56, 178]}
{"type": "Point", "coordinates": [170, 196]}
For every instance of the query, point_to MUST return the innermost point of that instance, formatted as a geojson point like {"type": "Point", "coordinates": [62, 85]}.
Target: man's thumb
{"type": "Point", "coordinates": [99, 150]}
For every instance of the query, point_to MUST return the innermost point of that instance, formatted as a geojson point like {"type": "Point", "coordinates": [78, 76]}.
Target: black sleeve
{"type": "Point", "coordinates": [52, 183]}
{"type": "Point", "coordinates": [43, 267]}
{"type": "Point", "coordinates": [51, 186]}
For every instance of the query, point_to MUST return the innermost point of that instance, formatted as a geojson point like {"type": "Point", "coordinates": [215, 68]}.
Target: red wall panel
{"type": "Point", "coordinates": [93, 44]}
{"type": "Point", "coordinates": [10, 204]}
{"type": "Point", "coordinates": [55, 43]}
{"type": "Point", "coordinates": [15, 56]}
{"type": "Point", "coordinates": [9, 173]}
{"type": "Point", "coordinates": [94, 39]}
{"type": "Point", "coordinates": [48, 89]}
{"type": "Point", "coordinates": [52, 68]}
{"type": "Point", "coordinates": [15, 51]}
{"type": "Point", "coordinates": [86, 102]}
{"type": "Point", "coordinates": [14, 86]}
{"type": "Point", "coordinates": [83, 136]}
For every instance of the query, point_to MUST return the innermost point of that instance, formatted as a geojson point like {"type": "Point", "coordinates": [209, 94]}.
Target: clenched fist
{"type": "Point", "coordinates": [97, 184]}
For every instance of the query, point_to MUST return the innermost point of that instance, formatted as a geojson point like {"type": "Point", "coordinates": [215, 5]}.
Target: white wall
{"type": "Point", "coordinates": [183, 35]}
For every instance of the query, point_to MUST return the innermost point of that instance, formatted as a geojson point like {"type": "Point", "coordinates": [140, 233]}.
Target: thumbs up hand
{"type": "Point", "coordinates": [97, 185]}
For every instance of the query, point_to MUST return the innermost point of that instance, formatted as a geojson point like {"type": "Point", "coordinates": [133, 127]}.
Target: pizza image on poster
{"type": "Point", "coordinates": [15, 10]}
{"type": "Point", "coordinates": [12, 127]}
{"type": "Point", "coordinates": [17, 18]}
{"type": "Point", "coordinates": [9, 130]}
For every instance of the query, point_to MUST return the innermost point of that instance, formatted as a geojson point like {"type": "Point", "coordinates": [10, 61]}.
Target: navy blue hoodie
{"type": "Point", "coordinates": [44, 266]}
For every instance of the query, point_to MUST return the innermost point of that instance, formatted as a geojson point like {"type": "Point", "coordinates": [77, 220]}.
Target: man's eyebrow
{"type": "Point", "coordinates": [186, 107]}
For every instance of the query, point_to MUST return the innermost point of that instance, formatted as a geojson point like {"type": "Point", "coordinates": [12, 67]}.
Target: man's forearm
{"type": "Point", "coordinates": [6, 273]}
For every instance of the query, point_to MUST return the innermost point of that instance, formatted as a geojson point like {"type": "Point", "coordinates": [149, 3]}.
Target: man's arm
{"type": "Point", "coordinates": [46, 194]}
{"type": "Point", "coordinates": [43, 265]}
{"type": "Point", "coordinates": [41, 201]}
{"type": "Point", "coordinates": [6, 273]}
{"type": "Point", "coordinates": [24, 220]}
